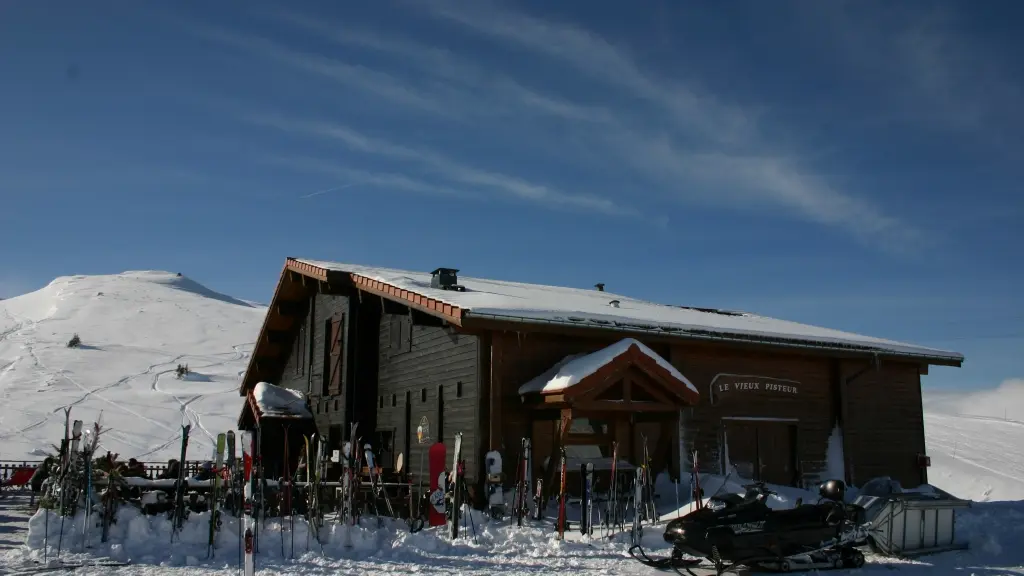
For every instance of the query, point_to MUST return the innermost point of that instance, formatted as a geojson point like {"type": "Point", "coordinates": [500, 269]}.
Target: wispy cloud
{"type": "Point", "coordinates": [924, 67]}
{"type": "Point", "coordinates": [383, 180]}
{"type": "Point", "coordinates": [370, 81]}
{"type": "Point", "coordinates": [492, 89]}
{"type": "Point", "coordinates": [445, 167]}
{"type": "Point", "coordinates": [679, 143]}
{"type": "Point", "coordinates": [710, 150]}
{"type": "Point", "coordinates": [328, 190]}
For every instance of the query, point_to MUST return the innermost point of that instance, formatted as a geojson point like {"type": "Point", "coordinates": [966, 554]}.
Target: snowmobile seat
{"type": "Point", "coordinates": [19, 480]}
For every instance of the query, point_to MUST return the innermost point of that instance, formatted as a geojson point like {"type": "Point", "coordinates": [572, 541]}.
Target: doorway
{"type": "Point", "coordinates": [763, 450]}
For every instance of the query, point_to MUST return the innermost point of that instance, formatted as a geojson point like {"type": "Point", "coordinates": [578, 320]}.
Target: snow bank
{"type": "Point", "coordinates": [277, 402]}
{"type": "Point", "coordinates": [572, 369]}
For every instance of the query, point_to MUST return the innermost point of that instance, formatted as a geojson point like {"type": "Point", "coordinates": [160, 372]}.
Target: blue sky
{"type": "Point", "coordinates": [849, 164]}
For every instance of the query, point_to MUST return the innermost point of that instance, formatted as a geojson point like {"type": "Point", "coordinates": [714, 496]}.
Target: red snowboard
{"type": "Point", "coordinates": [436, 460]}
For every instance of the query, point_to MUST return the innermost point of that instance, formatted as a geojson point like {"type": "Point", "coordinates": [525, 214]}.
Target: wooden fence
{"type": "Point", "coordinates": [153, 469]}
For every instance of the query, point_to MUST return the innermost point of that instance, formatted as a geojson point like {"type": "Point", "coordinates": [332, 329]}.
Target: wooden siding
{"type": "Point", "coordinates": [812, 407]}
{"type": "Point", "coordinates": [436, 359]}
{"type": "Point", "coordinates": [329, 409]}
{"type": "Point", "coordinates": [293, 377]}
{"type": "Point", "coordinates": [885, 423]}
{"type": "Point", "coordinates": [517, 357]}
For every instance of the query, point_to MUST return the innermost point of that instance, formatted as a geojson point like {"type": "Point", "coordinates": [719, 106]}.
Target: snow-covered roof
{"type": "Point", "coordinates": [534, 303]}
{"type": "Point", "coordinates": [572, 369]}
{"type": "Point", "coordinates": [277, 402]}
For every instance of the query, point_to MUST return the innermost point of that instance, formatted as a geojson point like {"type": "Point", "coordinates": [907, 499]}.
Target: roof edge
{"type": "Point", "coordinates": [955, 360]}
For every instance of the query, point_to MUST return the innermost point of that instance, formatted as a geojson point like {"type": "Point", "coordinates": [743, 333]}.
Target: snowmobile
{"type": "Point", "coordinates": [735, 530]}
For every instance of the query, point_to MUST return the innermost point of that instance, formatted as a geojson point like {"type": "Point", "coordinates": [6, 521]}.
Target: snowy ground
{"type": "Point", "coordinates": [995, 532]}
{"type": "Point", "coordinates": [136, 327]}
{"type": "Point", "coordinates": [976, 442]}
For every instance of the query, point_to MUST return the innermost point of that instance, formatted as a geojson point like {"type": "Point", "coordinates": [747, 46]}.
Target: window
{"type": "Point", "coordinates": [423, 395]}
{"type": "Point", "coordinates": [440, 413]}
{"type": "Point", "coordinates": [394, 400]}
{"type": "Point", "coordinates": [334, 354]}
{"type": "Point", "coordinates": [337, 404]}
{"type": "Point", "coordinates": [380, 402]}
{"type": "Point", "coordinates": [299, 353]}
{"type": "Point", "coordinates": [458, 389]}
{"type": "Point", "coordinates": [400, 333]}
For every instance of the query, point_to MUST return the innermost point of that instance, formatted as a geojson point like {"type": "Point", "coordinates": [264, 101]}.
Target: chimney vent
{"type": "Point", "coordinates": [614, 303]}
{"type": "Point", "coordinates": [446, 279]}
{"type": "Point", "coordinates": [599, 286]}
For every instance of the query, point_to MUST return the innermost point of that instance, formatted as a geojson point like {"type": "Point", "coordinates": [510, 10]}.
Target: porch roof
{"type": "Point", "coordinates": [581, 373]}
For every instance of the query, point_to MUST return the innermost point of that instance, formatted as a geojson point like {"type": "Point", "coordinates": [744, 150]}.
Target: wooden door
{"type": "Point", "coordinates": [775, 447]}
{"type": "Point", "coordinates": [741, 439]}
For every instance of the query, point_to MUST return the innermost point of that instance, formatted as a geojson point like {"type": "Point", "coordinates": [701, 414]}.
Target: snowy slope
{"type": "Point", "coordinates": [976, 441]}
{"type": "Point", "coordinates": [135, 329]}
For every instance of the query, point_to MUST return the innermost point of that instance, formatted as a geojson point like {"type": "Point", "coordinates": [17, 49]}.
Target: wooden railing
{"type": "Point", "coordinates": [153, 469]}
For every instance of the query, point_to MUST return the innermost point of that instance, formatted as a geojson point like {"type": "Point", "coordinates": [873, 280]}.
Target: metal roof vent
{"type": "Point", "coordinates": [614, 303]}
{"type": "Point", "coordinates": [446, 279]}
{"type": "Point", "coordinates": [599, 286]}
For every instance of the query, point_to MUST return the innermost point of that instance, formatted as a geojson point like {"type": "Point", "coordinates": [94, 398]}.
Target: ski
{"type": "Point", "coordinates": [248, 491]}
{"type": "Point", "coordinates": [218, 465]}
{"type": "Point", "coordinates": [638, 505]}
{"type": "Point", "coordinates": [68, 499]}
{"type": "Point", "coordinates": [519, 494]}
{"type": "Point", "coordinates": [377, 489]}
{"type": "Point", "coordinates": [590, 499]}
{"type": "Point", "coordinates": [612, 517]}
{"type": "Point", "coordinates": [650, 511]}
{"type": "Point", "coordinates": [456, 488]}
{"type": "Point", "coordinates": [69, 566]}
{"type": "Point", "coordinates": [586, 502]}
{"type": "Point", "coordinates": [88, 452]}
{"type": "Point", "coordinates": [179, 511]}
{"type": "Point", "coordinates": [538, 500]}
{"type": "Point", "coordinates": [283, 487]}
{"type": "Point", "coordinates": [561, 494]}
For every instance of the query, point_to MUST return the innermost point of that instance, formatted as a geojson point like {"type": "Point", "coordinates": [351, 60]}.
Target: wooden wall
{"type": "Point", "coordinates": [812, 407]}
{"type": "Point", "coordinates": [885, 423]}
{"type": "Point", "coordinates": [434, 360]}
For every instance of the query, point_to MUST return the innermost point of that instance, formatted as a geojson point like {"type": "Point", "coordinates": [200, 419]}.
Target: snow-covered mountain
{"type": "Point", "coordinates": [135, 329]}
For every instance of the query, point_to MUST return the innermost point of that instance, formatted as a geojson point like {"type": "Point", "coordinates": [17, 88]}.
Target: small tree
{"type": "Point", "coordinates": [181, 371]}
{"type": "Point", "coordinates": [75, 341]}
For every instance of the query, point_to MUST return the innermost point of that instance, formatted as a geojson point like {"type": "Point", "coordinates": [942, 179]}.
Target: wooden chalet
{"type": "Point", "coordinates": [415, 357]}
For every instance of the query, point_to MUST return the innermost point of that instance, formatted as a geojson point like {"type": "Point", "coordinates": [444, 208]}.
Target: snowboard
{"type": "Point", "coordinates": [495, 488]}
{"type": "Point", "coordinates": [436, 457]}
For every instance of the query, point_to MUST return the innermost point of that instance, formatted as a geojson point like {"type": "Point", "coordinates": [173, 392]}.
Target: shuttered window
{"type": "Point", "coordinates": [334, 329]}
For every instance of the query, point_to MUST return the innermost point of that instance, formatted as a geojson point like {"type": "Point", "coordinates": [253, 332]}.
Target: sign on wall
{"type": "Point", "coordinates": [726, 387]}
{"type": "Point", "coordinates": [423, 431]}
